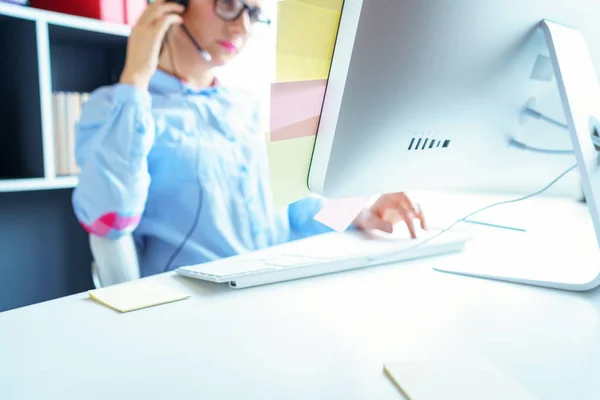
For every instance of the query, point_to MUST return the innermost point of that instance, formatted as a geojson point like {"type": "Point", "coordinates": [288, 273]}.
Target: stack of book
{"type": "Point", "coordinates": [67, 109]}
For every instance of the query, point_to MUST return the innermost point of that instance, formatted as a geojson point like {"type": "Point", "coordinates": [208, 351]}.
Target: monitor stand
{"type": "Point", "coordinates": [560, 268]}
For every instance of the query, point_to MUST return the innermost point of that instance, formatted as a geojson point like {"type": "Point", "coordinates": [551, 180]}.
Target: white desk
{"type": "Point", "coordinates": [319, 338]}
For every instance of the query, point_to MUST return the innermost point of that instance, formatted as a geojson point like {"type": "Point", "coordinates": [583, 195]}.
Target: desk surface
{"type": "Point", "coordinates": [317, 338]}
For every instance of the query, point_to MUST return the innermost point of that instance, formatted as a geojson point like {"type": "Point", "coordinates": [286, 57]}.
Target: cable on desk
{"type": "Point", "coordinates": [466, 217]}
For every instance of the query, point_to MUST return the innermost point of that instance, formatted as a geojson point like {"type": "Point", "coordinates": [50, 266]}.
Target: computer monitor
{"type": "Point", "coordinates": [433, 95]}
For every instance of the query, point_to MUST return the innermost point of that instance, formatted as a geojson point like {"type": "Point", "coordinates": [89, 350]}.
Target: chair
{"type": "Point", "coordinates": [115, 260]}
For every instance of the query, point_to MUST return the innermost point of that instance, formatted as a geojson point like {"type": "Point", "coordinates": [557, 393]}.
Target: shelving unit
{"type": "Point", "coordinates": [47, 52]}
{"type": "Point", "coordinates": [44, 253]}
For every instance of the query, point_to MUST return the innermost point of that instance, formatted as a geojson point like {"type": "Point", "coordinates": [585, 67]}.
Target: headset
{"type": "Point", "coordinates": [208, 58]}
{"type": "Point", "coordinates": [184, 3]}
{"type": "Point", "coordinates": [204, 53]}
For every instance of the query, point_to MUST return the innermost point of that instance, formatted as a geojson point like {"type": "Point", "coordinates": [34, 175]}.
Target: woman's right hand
{"type": "Point", "coordinates": [145, 41]}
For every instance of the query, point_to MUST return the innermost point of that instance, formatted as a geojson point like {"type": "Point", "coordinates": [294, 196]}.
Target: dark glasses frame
{"type": "Point", "coordinates": [253, 12]}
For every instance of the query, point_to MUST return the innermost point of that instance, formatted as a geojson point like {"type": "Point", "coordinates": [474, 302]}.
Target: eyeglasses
{"type": "Point", "coordinates": [230, 10]}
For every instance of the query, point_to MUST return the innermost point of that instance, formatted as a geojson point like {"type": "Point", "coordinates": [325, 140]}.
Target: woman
{"type": "Point", "coordinates": [175, 158]}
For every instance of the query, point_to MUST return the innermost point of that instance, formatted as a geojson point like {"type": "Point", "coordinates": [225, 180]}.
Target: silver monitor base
{"type": "Point", "coordinates": [547, 264]}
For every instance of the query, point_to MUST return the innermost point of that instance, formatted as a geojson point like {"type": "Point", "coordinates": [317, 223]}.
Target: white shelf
{"type": "Point", "coordinates": [66, 20]}
{"type": "Point", "coordinates": [83, 53]}
{"type": "Point", "coordinates": [33, 184]}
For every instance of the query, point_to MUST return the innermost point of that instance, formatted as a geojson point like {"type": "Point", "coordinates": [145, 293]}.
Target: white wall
{"type": "Point", "coordinates": [254, 68]}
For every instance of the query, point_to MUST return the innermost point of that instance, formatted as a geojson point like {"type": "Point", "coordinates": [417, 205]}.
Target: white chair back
{"type": "Point", "coordinates": [115, 260]}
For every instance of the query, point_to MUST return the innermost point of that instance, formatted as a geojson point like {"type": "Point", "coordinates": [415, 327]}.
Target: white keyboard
{"type": "Point", "coordinates": [323, 254]}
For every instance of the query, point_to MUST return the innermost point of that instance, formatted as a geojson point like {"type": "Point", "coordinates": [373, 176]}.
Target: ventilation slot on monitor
{"type": "Point", "coordinates": [427, 144]}
{"type": "Point", "coordinates": [412, 141]}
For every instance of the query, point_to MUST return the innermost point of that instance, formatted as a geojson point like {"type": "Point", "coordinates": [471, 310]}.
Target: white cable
{"type": "Point", "coordinates": [525, 147]}
{"type": "Point", "coordinates": [391, 254]}
{"type": "Point", "coordinates": [538, 115]}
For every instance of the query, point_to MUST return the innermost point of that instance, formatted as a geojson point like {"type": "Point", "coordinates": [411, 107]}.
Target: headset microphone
{"type": "Point", "coordinates": [203, 52]}
{"type": "Point", "coordinates": [207, 57]}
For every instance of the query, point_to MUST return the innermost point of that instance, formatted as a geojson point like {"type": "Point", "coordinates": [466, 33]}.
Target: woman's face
{"type": "Point", "coordinates": [222, 39]}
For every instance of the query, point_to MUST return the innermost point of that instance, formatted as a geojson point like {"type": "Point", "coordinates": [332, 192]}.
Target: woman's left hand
{"type": "Point", "coordinates": [387, 211]}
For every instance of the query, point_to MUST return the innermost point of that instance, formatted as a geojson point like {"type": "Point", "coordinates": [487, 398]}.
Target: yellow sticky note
{"type": "Point", "coordinates": [289, 163]}
{"type": "Point", "coordinates": [292, 68]}
{"type": "Point", "coordinates": [335, 5]}
{"type": "Point", "coordinates": [136, 295]}
{"type": "Point", "coordinates": [306, 36]}
{"type": "Point", "coordinates": [454, 376]}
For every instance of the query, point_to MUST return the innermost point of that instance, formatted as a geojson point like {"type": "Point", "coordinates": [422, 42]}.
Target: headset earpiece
{"type": "Point", "coordinates": [184, 3]}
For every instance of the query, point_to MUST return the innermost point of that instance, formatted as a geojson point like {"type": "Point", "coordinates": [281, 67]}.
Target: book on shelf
{"type": "Point", "coordinates": [67, 109]}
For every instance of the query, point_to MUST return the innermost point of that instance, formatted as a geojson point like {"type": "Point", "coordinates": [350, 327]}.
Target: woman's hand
{"type": "Point", "coordinates": [387, 211]}
{"type": "Point", "coordinates": [145, 41]}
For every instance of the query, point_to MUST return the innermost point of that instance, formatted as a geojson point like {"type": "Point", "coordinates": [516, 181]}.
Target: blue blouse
{"type": "Point", "coordinates": [154, 163]}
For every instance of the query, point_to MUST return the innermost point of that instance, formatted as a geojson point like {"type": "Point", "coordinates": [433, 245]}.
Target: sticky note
{"type": "Point", "coordinates": [306, 36]}
{"type": "Point", "coordinates": [335, 5]}
{"type": "Point", "coordinates": [339, 214]}
{"type": "Point", "coordinates": [455, 376]}
{"type": "Point", "coordinates": [304, 128]}
{"type": "Point", "coordinates": [289, 164]}
{"type": "Point", "coordinates": [306, 30]}
{"type": "Point", "coordinates": [298, 68]}
{"type": "Point", "coordinates": [294, 102]}
{"type": "Point", "coordinates": [135, 295]}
